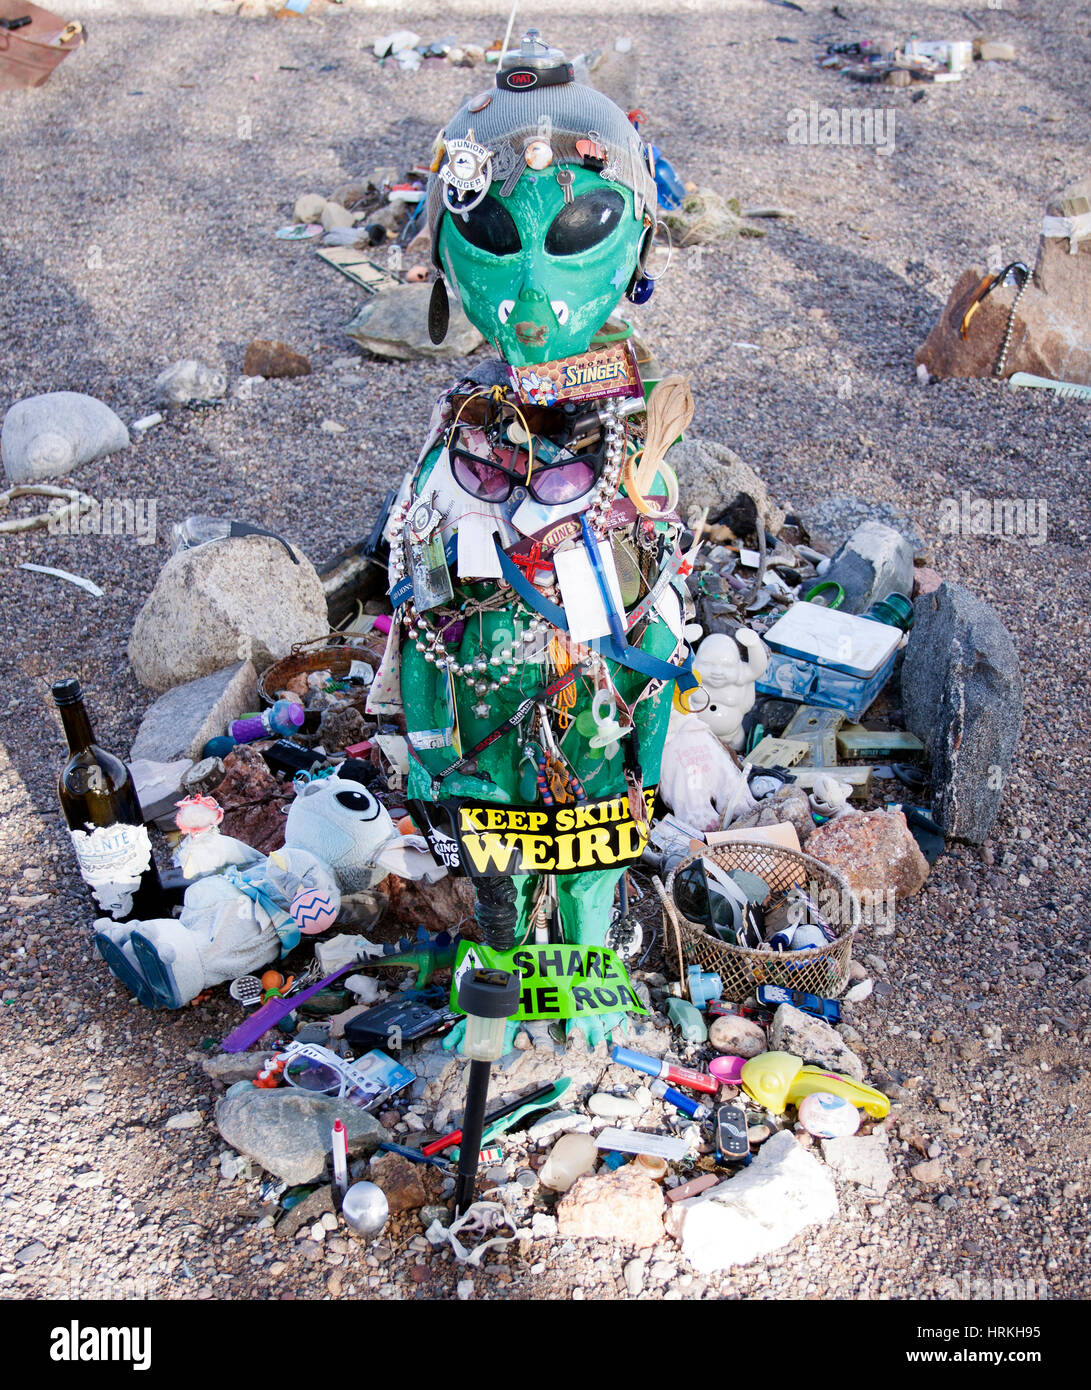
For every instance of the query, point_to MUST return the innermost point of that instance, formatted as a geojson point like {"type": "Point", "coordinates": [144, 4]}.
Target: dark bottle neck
{"type": "Point", "coordinates": [77, 727]}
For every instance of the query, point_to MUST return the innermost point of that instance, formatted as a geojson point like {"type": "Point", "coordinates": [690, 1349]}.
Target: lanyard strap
{"type": "Point", "coordinates": [547, 692]}
{"type": "Point", "coordinates": [624, 655]}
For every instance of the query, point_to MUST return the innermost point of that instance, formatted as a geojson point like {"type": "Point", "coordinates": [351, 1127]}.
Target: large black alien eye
{"type": "Point", "coordinates": [362, 802]}
{"type": "Point", "coordinates": [584, 222]}
{"type": "Point", "coordinates": [489, 227]}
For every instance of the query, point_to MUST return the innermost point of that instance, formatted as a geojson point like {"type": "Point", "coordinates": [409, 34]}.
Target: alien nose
{"type": "Point", "coordinates": [530, 294]}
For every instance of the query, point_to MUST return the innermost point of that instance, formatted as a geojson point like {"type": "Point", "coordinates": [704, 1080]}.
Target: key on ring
{"type": "Point", "coordinates": [564, 178]}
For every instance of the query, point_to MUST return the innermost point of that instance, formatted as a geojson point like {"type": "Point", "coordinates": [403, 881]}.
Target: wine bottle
{"type": "Point", "coordinates": [99, 802]}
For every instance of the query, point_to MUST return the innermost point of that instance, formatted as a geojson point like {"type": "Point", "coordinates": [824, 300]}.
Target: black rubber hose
{"type": "Point", "coordinates": [495, 912]}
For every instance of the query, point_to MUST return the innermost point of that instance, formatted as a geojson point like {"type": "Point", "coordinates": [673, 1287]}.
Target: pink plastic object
{"type": "Point", "coordinates": [727, 1070]}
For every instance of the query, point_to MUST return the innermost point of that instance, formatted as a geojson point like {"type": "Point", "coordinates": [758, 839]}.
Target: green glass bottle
{"type": "Point", "coordinates": [99, 802]}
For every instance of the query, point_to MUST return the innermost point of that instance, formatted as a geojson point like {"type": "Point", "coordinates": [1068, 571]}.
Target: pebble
{"type": "Point", "coordinates": [86, 1180]}
{"type": "Point", "coordinates": [634, 1277]}
{"type": "Point", "coordinates": [187, 1119]}
{"type": "Point", "coordinates": [613, 1107]}
{"type": "Point", "coordinates": [465, 1289]}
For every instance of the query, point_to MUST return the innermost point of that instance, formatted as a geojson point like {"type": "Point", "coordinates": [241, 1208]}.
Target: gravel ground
{"type": "Point", "coordinates": [137, 229]}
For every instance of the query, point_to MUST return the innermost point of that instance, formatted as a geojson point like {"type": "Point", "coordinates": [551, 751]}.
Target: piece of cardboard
{"type": "Point", "coordinates": [783, 834]}
{"type": "Point", "coordinates": [358, 268]}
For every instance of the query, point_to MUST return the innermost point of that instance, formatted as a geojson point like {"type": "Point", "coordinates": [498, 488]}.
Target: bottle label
{"type": "Point", "coordinates": [112, 860]}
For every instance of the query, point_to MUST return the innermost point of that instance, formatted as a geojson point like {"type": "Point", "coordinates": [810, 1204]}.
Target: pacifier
{"type": "Point", "coordinates": [604, 721]}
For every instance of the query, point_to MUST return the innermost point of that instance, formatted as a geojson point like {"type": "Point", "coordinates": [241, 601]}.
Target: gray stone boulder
{"type": "Point", "coordinates": [47, 436]}
{"type": "Point", "coordinates": [712, 475]}
{"type": "Point", "coordinates": [962, 695]}
{"type": "Point", "coordinates": [876, 560]}
{"type": "Point", "coordinates": [815, 1041]}
{"type": "Point", "coordinates": [395, 324]}
{"type": "Point", "coordinates": [289, 1131]}
{"type": "Point", "coordinates": [228, 600]}
{"type": "Point", "coordinates": [182, 721]}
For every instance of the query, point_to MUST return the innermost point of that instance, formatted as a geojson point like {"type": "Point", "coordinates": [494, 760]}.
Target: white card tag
{"type": "Point", "coordinates": [530, 517]}
{"type": "Point", "coordinates": [583, 604]}
{"type": "Point", "coordinates": [669, 607]}
{"type": "Point", "coordinates": [477, 557]}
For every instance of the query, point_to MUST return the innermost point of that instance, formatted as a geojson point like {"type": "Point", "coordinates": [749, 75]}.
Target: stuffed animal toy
{"type": "Point", "coordinates": [236, 918]}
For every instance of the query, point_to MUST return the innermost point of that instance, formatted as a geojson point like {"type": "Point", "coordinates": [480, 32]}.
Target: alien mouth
{"type": "Point", "coordinates": [531, 334]}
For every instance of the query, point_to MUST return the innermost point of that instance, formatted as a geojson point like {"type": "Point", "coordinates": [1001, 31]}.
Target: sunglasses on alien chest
{"type": "Point", "coordinates": [490, 472]}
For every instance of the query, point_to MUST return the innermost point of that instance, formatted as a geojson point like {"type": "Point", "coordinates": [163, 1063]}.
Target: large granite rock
{"type": "Point", "coordinates": [784, 1191]}
{"type": "Point", "coordinates": [712, 475]}
{"type": "Point", "coordinates": [962, 695]}
{"type": "Point", "coordinates": [395, 324]}
{"type": "Point", "coordinates": [289, 1131]}
{"type": "Point", "coordinates": [223, 602]}
{"type": "Point", "coordinates": [47, 436]}
{"type": "Point", "coordinates": [876, 852]}
{"type": "Point", "coordinates": [182, 721]}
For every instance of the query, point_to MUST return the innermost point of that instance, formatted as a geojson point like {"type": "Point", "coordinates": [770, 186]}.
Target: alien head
{"type": "Point", "coordinates": [539, 207]}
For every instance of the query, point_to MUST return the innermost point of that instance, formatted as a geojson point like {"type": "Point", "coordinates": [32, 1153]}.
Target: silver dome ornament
{"type": "Point", "coordinates": [365, 1209]}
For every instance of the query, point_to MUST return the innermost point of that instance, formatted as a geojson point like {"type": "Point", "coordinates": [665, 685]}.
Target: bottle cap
{"type": "Point", "coordinates": [67, 691]}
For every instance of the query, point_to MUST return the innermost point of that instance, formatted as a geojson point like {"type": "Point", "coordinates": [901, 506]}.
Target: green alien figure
{"type": "Point", "coordinates": [535, 568]}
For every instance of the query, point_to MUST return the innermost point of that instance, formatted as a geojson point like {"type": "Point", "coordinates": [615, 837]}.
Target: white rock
{"type": "Point", "coordinates": [308, 208]}
{"type": "Point", "coordinates": [187, 381]}
{"type": "Point", "coordinates": [334, 215]}
{"type": "Point", "coordinates": [188, 1119]}
{"type": "Point", "coordinates": [47, 436]}
{"type": "Point", "coordinates": [861, 1159]}
{"type": "Point", "coordinates": [613, 1107]}
{"type": "Point", "coordinates": [558, 1122]}
{"type": "Point", "coordinates": [784, 1191]}
{"type": "Point", "coordinates": [222, 602]}
{"type": "Point", "coordinates": [860, 992]}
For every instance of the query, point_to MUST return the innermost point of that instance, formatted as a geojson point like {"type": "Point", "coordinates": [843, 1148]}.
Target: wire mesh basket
{"type": "Point", "coordinates": [822, 970]}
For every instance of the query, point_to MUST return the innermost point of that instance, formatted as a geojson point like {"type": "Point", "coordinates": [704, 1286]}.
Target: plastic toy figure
{"type": "Point", "coordinates": [535, 566]}
{"type": "Point", "coordinates": [729, 667]}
